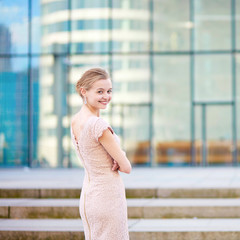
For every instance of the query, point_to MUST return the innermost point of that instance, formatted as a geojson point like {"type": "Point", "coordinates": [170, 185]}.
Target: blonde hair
{"type": "Point", "coordinates": [89, 78]}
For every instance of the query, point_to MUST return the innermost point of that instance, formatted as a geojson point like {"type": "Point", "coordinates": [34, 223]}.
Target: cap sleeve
{"type": "Point", "coordinates": [99, 128]}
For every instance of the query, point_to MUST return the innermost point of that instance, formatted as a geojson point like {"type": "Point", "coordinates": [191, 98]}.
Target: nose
{"type": "Point", "coordinates": [105, 96]}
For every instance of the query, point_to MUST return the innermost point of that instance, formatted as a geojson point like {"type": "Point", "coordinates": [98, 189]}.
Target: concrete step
{"type": "Point", "coordinates": [130, 192]}
{"type": "Point", "coordinates": [139, 229]}
{"type": "Point", "coordinates": [137, 208]}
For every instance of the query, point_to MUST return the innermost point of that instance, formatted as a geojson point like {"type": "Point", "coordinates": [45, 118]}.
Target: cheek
{"type": "Point", "coordinates": [109, 96]}
{"type": "Point", "coordinates": [95, 96]}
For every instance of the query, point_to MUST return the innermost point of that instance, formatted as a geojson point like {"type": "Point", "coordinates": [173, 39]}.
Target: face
{"type": "Point", "coordinates": [100, 94]}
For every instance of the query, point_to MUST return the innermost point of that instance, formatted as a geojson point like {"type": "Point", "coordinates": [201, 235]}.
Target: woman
{"type": "Point", "coordinates": [103, 207]}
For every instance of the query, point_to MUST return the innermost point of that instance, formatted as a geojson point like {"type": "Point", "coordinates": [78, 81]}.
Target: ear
{"type": "Point", "coordinates": [83, 91]}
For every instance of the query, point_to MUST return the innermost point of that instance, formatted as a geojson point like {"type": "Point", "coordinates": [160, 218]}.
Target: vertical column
{"type": "Point", "coordinates": [192, 84]}
{"type": "Point", "coordinates": [68, 64]}
{"type": "Point", "coordinates": [59, 80]}
{"type": "Point", "coordinates": [234, 87]}
{"type": "Point", "coordinates": [69, 27]}
{"type": "Point", "coordinates": [204, 136]}
{"type": "Point", "coordinates": [30, 93]}
{"type": "Point", "coordinates": [151, 65]}
{"type": "Point", "coordinates": [110, 47]}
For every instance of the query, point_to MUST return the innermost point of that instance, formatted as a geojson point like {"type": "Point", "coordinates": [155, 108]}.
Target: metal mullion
{"type": "Point", "coordinates": [192, 85]}
{"type": "Point", "coordinates": [110, 48]}
{"type": "Point", "coordinates": [233, 59]}
{"type": "Point", "coordinates": [204, 136]}
{"type": "Point", "coordinates": [123, 125]}
{"type": "Point", "coordinates": [69, 27]}
{"type": "Point", "coordinates": [214, 102]}
{"type": "Point", "coordinates": [30, 93]}
{"type": "Point", "coordinates": [14, 55]}
{"type": "Point", "coordinates": [69, 48]}
{"type": "Point", "coordinates": [163, 53]}
{"type": "Point", "coordinates": [151, 82]}
{"type": "Point", "coordinates": [122, 53]}
{"type": "Point", "coordinates": [110, 28]}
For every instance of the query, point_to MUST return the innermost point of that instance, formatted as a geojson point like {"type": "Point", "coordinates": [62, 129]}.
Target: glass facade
{"type": "Point", "coordinates": [175, 67]}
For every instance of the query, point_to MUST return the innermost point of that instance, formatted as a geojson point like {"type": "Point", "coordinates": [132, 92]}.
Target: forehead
{"type": "Point", "coordinates": [103, 83]}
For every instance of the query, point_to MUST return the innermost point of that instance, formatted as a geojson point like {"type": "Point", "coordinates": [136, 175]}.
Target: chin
{"type": "Point", "coordinates": [103, 107]}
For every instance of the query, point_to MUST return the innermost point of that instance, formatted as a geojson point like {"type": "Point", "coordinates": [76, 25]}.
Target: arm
{"type": "Point", "coordinates": [115, 166]}
{"type": "Point", "coordinates": [114, 150]}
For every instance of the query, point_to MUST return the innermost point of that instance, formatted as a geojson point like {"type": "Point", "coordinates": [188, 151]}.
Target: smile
{"type": "Point", "coordinates": [104, 102]}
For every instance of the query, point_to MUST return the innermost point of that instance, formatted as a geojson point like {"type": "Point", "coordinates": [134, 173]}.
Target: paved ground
{"type": "Point", "coordinates": [211, 177]}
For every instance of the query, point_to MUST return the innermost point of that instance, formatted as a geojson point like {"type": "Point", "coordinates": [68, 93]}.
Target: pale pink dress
{"type": "Point", "coordinates": [103, 206]}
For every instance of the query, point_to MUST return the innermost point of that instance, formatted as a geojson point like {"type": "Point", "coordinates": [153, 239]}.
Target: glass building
{"type": "Point", "coordinates": [175, 67]}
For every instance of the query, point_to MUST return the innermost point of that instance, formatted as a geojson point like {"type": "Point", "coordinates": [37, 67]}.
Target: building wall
{"type": "Point", "coordinates": [174, 67]}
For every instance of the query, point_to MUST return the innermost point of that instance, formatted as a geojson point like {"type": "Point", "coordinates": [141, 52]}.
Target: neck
{"type": "Point", "coordinates": [90, 109]}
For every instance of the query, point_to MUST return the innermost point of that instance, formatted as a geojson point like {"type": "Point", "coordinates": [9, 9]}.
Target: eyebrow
{"type": "Point", "coordinates": [102, 88]}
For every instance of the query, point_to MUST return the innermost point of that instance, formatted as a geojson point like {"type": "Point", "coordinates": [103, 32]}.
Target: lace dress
{"type": "Point", "coordinates": [103, 206]}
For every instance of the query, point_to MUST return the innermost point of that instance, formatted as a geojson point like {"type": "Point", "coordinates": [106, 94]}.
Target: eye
{"type": "Point", "coordinates": [109, 91]}
{"type": "Point", "coordinates": [100, 91]}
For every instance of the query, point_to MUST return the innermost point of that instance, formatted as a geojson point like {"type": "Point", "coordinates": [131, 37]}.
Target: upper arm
{"type": "Point", "coordinates": [112, 147]}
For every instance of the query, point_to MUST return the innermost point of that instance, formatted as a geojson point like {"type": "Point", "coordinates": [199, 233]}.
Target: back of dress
{"type": "Point", "coordinates": [103, 207]}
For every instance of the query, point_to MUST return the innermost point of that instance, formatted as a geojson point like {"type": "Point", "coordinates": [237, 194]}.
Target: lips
{"type": "Point", "coordinates": [104, 102]}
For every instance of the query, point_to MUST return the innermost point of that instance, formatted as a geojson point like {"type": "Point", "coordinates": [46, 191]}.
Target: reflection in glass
{"type": "Point", "coordinates": [14, 27]}
{"type": "Point", "coordinates": [171, 25]}
{"type": "Point", "coordinates": [213, 77]}
{"type": "Point", "coordinates": [130, 23]}
{"type": "Point", "coordinates": [130, 4]}
{"type": "Point", "coordinates": [198, 135]}
{"type": "Point", "coordinates": [237, 24]}
{"type": "Point", "coordinates": [36, 161]}
{"type": "Point", "coordinates": [55, 36]}
{"type": "Point", "coordinates": [53, 75]}
{"type": "Point", "coordinates": [36, 27]}
{"type": "Point", "coordinates": [89, 32]}
{"type": "Point", "coordinates": [212, 24]}
{"type": "Point", "coordinates": [172, 109]}
{"type": "Point", "coordinates": [54, 6]}
{"type": "Point", "coordinates": [219, 135]}
{"type": "Point", "coordinates": [90, 4]}
{"type": "Point", "coordinates": [131, 79]}
{"type": "Point", "coordinates": [136, 133]}
{"type": "Point", "coordinates": [238, 101]}
{"type": "Point", "coordinates": [14, 112]}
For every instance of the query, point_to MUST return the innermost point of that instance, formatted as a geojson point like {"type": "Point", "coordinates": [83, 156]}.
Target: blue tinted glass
{"type": "Point", "coordinates": [131, 4]}
{"type": "Point", "coordinates": [54, 6]}
{"type": "Point", "coordinates": [237, 24]}
{"type": "Point", "coordinates": [90, 47]}
{"type": "Point", "coordinates": [36, 26]}
{"type": "Point", "coordinates": [55, 27]}
{"type": "Point", "coordinates": [14, 27]}
{"type": "Point", "coordinates": [13, 112]}
{"type": "Point", "coordinates": [89, 4]}
{"type": "Point", "coordinates": [35, 109]}
{"type": "Point", "coordinates": [97, 24]}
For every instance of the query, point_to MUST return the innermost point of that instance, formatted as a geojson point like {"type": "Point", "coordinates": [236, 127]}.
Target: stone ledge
{"type": "Point", "coordinates": [137, 208]}
{"type": "Point", "coordinates": [16, 235]}
{"type": "Point", "coordinates": [39, 193]}
{"type": "Point", "coordinates": [174, 229]}
{"type": "Point", "coordinates": [130, 193]}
